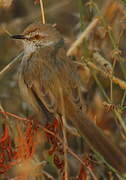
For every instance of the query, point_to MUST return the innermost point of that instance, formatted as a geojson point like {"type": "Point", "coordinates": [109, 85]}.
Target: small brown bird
{"type": "Point", "coordinates": [44, 67]}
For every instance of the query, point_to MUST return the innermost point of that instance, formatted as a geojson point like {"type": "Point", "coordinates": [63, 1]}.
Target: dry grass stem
{"type": "Point", "coordinates": [11, 65]}
{"type": "Point", "coordinates": [5, 30]}
{"type": "Point", "coordinates": [4, 113]}
{"type": "Point", "coordinates": [14, 116]}
{"type": "Point", "coordinates": [116, 80]}
{"type": "Point", "coordinates": [102, 62]}
{"type": "Point", "coordinates": [42, 11]}
{"type": "Point", "coordinates": [84, 34]}
{"type": "Point", "coordinates": [107, 67]}
{"type": "Point", "coordinates": [47, 175]}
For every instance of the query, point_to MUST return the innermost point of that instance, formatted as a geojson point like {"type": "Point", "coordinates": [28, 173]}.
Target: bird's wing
{"type": "Point", "coordinates": [43, 85]}
{"type": "Point", "coordinates": [44, 81]}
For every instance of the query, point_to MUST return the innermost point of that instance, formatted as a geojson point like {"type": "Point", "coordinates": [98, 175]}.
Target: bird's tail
{"type": "Point", "coordinates": [99, 142]}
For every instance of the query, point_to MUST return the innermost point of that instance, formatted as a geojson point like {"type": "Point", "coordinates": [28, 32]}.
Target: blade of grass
{"type": "Point", "coordinates": [11, 65]}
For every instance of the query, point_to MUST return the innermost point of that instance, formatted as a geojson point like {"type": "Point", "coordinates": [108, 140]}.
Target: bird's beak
{"type": "Point", "coordinates": [18, 37]}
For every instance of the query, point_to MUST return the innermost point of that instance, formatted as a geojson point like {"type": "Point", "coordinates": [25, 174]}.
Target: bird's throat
{"type": "Point", "coordinates": [29, 48]}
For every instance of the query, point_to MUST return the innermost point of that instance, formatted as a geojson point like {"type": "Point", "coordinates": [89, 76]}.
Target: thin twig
{"type": "Point", "coordinates": [111, 82]}
{"type": "Point", "coordinates": [47, 175]}
{"type": "Point", "coordinates": [4, 114]}
{"type": "Point", "coordinates": [102, 62]}
{"type": "Point", "coordinates": [42, 164]}
{"type": "Point", "coordinates": [123, 98]}
{"type": "Point", "coordinates": [14, 116]}
{"type": "Point", "coordinates": [121, 83]}
{"type": "Point", "coordinates": [5, 30]}
{"type": "Point", "coordinates": [42, 11]}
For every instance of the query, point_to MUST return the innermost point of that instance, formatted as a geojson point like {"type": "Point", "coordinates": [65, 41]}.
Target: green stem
{"type": "Point", "coordinates": [117, 114]}
{"type": "Point", "coordinates": [123, 98]}
{"type": "Point", "coordinates": [101, 87]}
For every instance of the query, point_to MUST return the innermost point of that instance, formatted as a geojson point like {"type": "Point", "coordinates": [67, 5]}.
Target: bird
{"type": "Point", "coordinates": [45, 68]}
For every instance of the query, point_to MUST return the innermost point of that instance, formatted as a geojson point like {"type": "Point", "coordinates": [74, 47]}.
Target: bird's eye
{"type": "Point", "coordinates": [37, 36]}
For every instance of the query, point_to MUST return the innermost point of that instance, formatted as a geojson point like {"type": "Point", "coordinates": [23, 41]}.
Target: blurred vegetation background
{"type": "Point", "coordinates": [103, 55]}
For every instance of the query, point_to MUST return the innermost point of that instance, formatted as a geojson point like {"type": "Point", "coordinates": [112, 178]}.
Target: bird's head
{"type": "Point", "coordinates": [39, 35]}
